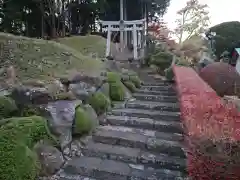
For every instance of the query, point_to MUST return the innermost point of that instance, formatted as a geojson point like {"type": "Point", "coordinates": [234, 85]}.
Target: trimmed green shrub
{"type": "Point", "coordinates": [113, 77]}
{"type": "Point", "coordinates": [17, 138]}
{"type": "Point", "coordinates": [117, 91]}
{"type": "Point", "coordinates": [116, 88]}
{"type": "Point", "coordinates": [162, 60]}
{"type": "Point", "coordinates": [83, 123]}
{"type": "Point", "coordinates": [169, 73]}
{"type": "Point", "coordinates": [7, 107]}
{"type": "Point", "coordinates": [99, 102]}
{"type": "Point", "coordinates": [130, 86]}
{"type": "Point", "coordinates": [135, 80]}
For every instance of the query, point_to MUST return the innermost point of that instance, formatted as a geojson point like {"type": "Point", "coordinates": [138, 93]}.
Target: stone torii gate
{"type": "Point", "coordinates": [137, 27]}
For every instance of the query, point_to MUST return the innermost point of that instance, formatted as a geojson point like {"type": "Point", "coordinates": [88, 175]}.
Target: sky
{"type": "Point", "coordinates": [220, 11]}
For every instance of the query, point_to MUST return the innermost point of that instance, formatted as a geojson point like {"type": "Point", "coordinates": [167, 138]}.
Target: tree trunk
{"type": "Point", "coordinates": [63, 17]}
{"type": "Point", "coordinates": [53, 26]}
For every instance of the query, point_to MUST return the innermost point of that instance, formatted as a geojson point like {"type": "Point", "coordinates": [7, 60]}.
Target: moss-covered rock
{"type": "Point", "coordinates": [7, 107]}
{"type": "Point", "coordinates": [99, 102]}
{"type": "Point", "coordinates": [136, 81]}
{"type": "Point", "coordinates": [17, 139]}
{"type": "Point", "coordinates": [130, 86]}
{"type": "Point", "coordinates": [83, 123]}
{"type": "Point", "coordinates": [117, 92]}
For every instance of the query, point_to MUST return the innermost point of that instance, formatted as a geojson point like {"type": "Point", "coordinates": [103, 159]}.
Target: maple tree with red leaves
{"type": "Point", "coordinates": [162, 33]}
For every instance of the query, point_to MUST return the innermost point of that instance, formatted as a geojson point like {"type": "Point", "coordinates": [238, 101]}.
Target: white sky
{"type": "Point", "coordinates": [220, 11]}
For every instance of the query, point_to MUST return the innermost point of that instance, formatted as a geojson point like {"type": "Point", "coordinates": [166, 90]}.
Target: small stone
{"type": "Point", "coordinates": [67, 151]}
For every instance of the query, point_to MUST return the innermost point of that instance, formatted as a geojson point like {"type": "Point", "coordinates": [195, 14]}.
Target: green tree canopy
{"type": "Point", "coordinates": [53, 17]}
{"type": "Point", "coordinates": [227, 36]}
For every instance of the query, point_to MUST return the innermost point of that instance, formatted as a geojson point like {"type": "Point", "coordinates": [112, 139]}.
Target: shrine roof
{"type": "Point", "coordinates": [237, 50]}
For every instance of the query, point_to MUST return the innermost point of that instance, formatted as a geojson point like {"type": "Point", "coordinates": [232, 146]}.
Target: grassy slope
{"type": "Point", "coordinates": [39, 59]}
{"type": "Point", "coordinates": [91, 45]}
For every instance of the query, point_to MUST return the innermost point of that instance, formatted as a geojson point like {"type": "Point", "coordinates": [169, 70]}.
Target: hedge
{"type": "Point", "coordinates": [17, 139]}
{"type": "Point", "coordinates": [211, 125]}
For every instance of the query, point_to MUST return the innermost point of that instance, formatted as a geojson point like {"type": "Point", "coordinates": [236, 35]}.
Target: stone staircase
{"type": "Point", "coordinates": [143, 141]}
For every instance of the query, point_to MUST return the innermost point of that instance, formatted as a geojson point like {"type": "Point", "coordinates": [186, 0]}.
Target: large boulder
{"type": "Point", "coordinates": [83, 85]}
{"type": "Point", "coordinates": [82, 90]}
{"type": "Point", "coordinates": [95, 81]}
{"type": "Point", "coordinates": [30, 95]}
{"type": "Point", "coordinates": [36, 92]}
{"type": "Point", "coordinates": [222, 77]}
{"type": "Point", "coordinates": [50, 158]}
{"type": "Point", "coordinates": [60, 116]}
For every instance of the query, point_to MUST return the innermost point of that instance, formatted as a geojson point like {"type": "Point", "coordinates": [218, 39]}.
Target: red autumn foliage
{"type": "Point", "coordinates": [222, 77]}
{"type": "Point", "coordinates": [212, 128]}
{"type": "Point", "coordinates": [162, 33]}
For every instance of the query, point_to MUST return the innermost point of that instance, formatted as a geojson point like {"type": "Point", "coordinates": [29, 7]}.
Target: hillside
{"type": "Point", "coordinates": [40, 59]}
{"type": "Point", "coordinates": [91, 45]}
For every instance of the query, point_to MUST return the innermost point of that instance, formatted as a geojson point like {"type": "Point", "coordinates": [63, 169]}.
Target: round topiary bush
{"type": "Point", "coordinates": [17, 138]}
{"type": "Point", "coordinates": [135, 80]}
{"type": "Point", "coordinates": [7, 107]}
{"type": "Point", "coordinates": [116, 91]}
{"type": "Point", "coordinates": [99, 102]}
{"type": "Point", "coordinates": [222, 77]}
{"type": "Point", "coordinates": [83, 123]}
{"type": "Point", "coordinates": [130, 86]}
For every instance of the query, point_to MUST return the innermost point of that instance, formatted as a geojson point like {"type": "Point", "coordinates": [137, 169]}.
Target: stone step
{"type": "Point", "coordinates": [156, 115]}
{"type": "Point", "coordinates": [137, 140]}
{"type": "Point", "coordinates": [134, 156]}
{"type": "Point", "coordinates": [155, 98]}
{"type": "Point", "coordinates": [104, 169]}
{"type": "Point", "coordinates": [147, 123]}
{"type": "Point", "coordinates": [156, 83]}
{"type": "Point", "coordinates": [148, 105]}
{"type": "Point", "coordinates": [158, 88]}
{"type": "Point", "coordinates": [64, 176]}
{"type": "Point", "coordinates": [146, 132]}
{"type": "Point", "coordinates": [163, 93]}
